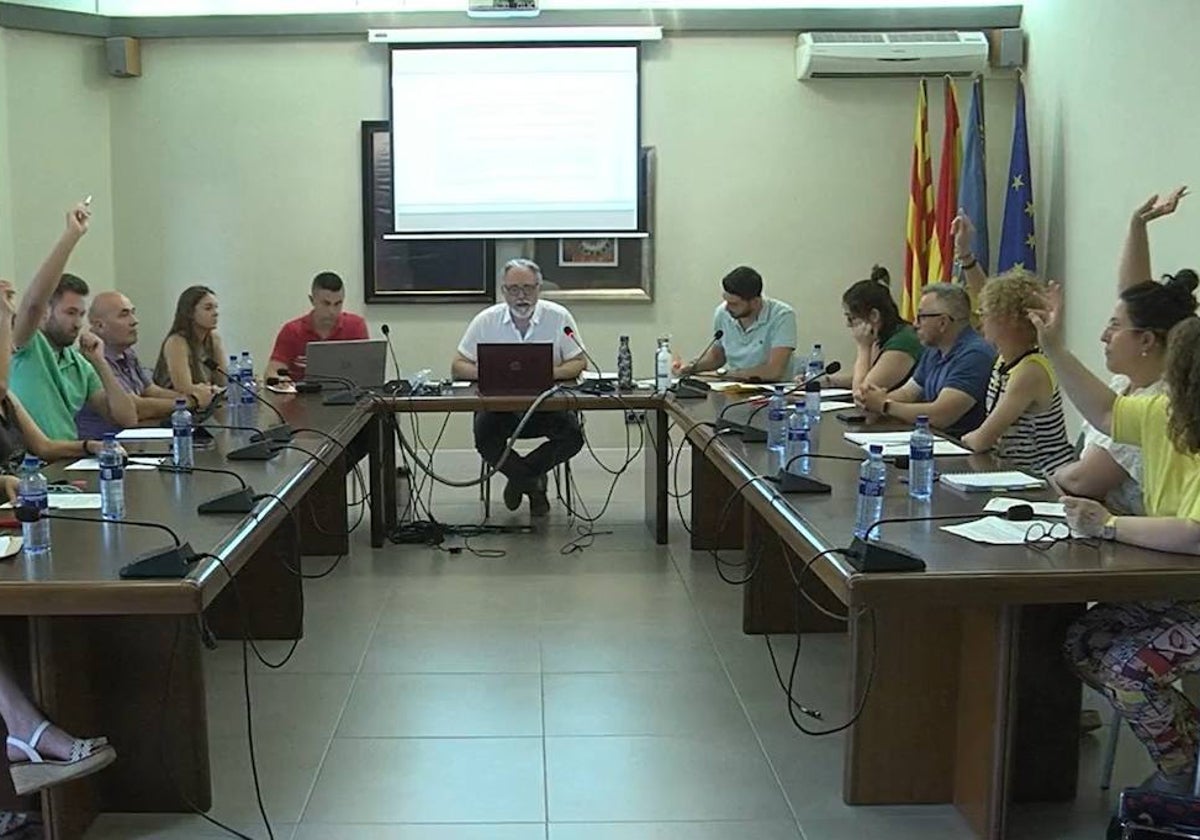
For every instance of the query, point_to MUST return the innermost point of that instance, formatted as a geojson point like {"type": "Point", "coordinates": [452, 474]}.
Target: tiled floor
{"type": "Point", "coordinates": [603, 695]}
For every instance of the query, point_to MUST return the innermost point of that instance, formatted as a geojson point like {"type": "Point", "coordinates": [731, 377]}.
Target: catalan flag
{"type": "Point", "coordinates": [941, 246]}
{"type": "Point", "coordinates": [972, 188]}
{"type": "Point", "coordinates": [1017, 242]}
{"type": "Point", "coordinates": [920, 213]}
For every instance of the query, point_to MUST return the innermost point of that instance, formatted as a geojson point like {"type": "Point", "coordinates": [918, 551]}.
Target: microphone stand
{"type": "Point", "coordinates": [689, 387]}
{"type": "Point", "coordinates": [802, 484]}
{"type": "Point", "coordinates": [398, 387]}
{"type": "Point", "coordinates": [281, 432]}
{"type": "Point", "coordinates": [173, 561]}
{"type": "Point", "coordinates": [238, 500]}
{"type": "Point", "coordinates": [867, 555]}
{"type": "Point", "coordinates": [597, 386]}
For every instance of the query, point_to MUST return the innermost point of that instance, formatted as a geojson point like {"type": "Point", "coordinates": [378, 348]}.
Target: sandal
{"type": "Point", "coordinates": [87, 756]}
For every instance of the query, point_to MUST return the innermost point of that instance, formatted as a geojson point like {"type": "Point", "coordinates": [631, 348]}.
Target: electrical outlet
{"type": "Point", "coordinates": [634, 418]}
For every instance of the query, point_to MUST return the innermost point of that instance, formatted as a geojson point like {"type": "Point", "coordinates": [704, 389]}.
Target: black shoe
{"type": "Point", "coordinates": [539, 505]}
{"type": "Point", "coordinates": [512, 495]}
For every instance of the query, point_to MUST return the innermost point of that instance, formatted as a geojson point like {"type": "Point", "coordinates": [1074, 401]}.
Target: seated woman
{"type": "Point", "coordinates": [887, 346]}
{"type": "Point", "coordinates": [190, 345]}
{"type": "Point", "coordinates": [1025, 423]}
{"type": "Point", "coordinates": [19, 433]}
{"type": "Point", "coordinates": [1133, 652]}
{"type": "Point", "coordinates": [1135, 343]}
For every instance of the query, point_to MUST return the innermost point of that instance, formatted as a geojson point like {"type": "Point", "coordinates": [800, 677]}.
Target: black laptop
{"type": "Point", "coordinates": [517, 369]}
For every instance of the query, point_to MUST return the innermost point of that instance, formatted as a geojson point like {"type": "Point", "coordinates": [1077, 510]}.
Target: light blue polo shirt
{"type": "Point", "coordinates": [749, 347]}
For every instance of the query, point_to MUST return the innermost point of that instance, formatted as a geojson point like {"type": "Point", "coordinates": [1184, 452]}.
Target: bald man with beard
{"type": "Point", "coordinates": [113, 317]}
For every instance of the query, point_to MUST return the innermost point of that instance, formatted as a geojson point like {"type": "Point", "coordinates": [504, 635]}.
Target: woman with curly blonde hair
{"type": "Point", "coordinates": [1133, 652]}
{"type": "Point", "coordinates": [1025, 423]}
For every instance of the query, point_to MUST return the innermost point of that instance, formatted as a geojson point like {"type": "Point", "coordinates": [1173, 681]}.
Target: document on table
{"type": "Point", "coordinates": [983, 482]}
{"type": "Point", "coordinates": [835, 406]}
{"type": "Point", "coordinates": [135, 463]}
{"type": "Point", "coordinates": [896, 443]}
{"type": "Point", "coordinates": [68, 501]}
{"type": "Point", "coordinates": [828, 393]}
{"type": "Point", "coordinates": [999, 504]}
{"type": "Point", "coordinates": [145, 433]}
{"type": "Point", "coordinates": [992, 530]}
{"type": "Point", "coordinates": [9, 546]}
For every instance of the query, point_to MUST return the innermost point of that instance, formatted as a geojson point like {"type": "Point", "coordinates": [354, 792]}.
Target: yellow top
{"type": "Point", "coordinates": [1170, 478]}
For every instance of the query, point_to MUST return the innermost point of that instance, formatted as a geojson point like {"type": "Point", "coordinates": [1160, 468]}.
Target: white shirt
{"type": "Point", "coordinates": [494, 325]}
{"type": "Point", "coordinates": [1127, 497]}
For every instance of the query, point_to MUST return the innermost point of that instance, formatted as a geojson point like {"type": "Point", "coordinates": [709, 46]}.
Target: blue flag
{"type": "Point", "coordinates": [972, 183]}
{"type": "Point", "coordinates": [1016, 237]}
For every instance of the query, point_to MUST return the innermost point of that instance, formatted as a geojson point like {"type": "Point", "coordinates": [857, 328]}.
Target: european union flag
{"type": "Point", "coordinates": [1016, 237]}
{"type": "Point", "coordinates": [972, 183]}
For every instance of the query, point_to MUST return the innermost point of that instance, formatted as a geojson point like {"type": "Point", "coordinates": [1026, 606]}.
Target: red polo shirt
{"type": "Point", "coordinates": [292, 342]}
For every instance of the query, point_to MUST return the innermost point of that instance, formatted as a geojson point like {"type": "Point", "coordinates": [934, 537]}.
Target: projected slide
{"type": "Point", "coordinates": [515, 140]}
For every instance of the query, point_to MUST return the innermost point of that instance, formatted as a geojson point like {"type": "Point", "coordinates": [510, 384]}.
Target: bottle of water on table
{"type": "Point", "coordinates": [920, 460]}
{"type": "Point", "coordinates": [812, 401]}
{"type": "Point", "coordinates": [799, 443]}
{"type": "Point", "coordinates": [872, 482]}
{"type": "Point", "coordinates": [246, 376]}
{"type": "Point", "coordinates": [662, 366]}
{"type": "Point", "coordinates": [777, 411]}
{"type": "Point", "coordinates": [33, 492]}
{"type": "Point", "coordinates": [182, 437]}
{"type": "Point", "coordinates": [816, 363]}
{"type": "Point", "coordinates": [112, 479]}
{"type": "Point", "coordinates": [625, 365]}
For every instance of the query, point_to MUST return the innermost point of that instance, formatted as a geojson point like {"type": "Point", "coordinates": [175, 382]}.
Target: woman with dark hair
{"type": "Point", "coordinates": [190, 345]}
{"type": "Point", "coordinates": [1133, 652]}
{"type": "Point", "coordinates": [887, 347]}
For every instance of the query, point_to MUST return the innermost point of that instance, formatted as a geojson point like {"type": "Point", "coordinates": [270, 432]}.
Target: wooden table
{"type": "Point", "coordinates": [123, 657]}
{"type": "Point", "coordinates": [970, 699]}
{"type": "Point", "coordinates": [383, 428]}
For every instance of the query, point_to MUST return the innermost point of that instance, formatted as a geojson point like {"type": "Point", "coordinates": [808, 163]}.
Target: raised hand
{"type": "Point", "coordinates": [78, 218]}
{"type": "Point", "coordinates": [1154, 207]}
{"type": "Point", "coordinates": [963, 232]}
{"type": "Point", "coordinates": [1048, 318]}
{"type": "Point", "coordinates": [8, 302]}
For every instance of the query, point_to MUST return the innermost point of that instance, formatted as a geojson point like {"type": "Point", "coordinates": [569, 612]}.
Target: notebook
{"type": "Point", "coordinates": [896, 443]}
{"type": "Point", "coordinates": [991, 482]}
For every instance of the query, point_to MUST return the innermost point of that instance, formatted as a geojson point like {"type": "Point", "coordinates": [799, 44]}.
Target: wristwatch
{"type": "Point", "coordinates": [887, 404]}
{"type": "Point", "coordinates": [1109, 531]}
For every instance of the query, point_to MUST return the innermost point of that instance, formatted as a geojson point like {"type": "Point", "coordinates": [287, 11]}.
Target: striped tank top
{"type": "Point", "coordinates": [1037, 440]}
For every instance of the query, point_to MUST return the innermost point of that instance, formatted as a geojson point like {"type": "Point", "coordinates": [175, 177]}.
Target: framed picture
{"type": "Point", "coordinates": [414, 270]}
{"type": "Point", "coordinates": [588, 253]}
{"type": "Point", "coordinates": [617, 268]}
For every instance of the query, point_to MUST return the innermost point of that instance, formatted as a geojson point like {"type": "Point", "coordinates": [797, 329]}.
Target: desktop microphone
{"type": "Point", "coordinates": [281, 432]}
{"type": "Point", "coordinates": [868, 555]}
{"type": "Point", "coordinates": [349, 396]}
{"type": "Point", "coordinates": [399, 386]}
{"type": "Point", "coordinates": [690, 388]}
{"type": "Point", "coordinates": [790, 482]}
{"type": "Point", "coordinates": [595, 386]}
{"type": "Point", "coordinates": [262, 449]}
{"type": "Point", "coordinates": [752, 434]}
{"type": "Point", "coordinates": [240, 500]}
{"type": "Point", "coordinates": [169, 562]}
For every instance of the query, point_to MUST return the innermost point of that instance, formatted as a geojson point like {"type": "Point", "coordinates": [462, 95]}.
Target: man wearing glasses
{"type": "Point", "coordinates": [523, 317]}
{"type": "Point", "coordinates": [951, 380]}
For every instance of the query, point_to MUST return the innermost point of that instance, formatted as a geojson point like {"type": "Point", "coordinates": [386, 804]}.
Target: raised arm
{"type": "Point", "coordinates": [1090, 394]}
{"type": "Point", "coordinates": [963, 231]}
{"type": "Point", "coordinates": [1134, 267]}
{"type": "Point", "coordinates": [36, 299]}
{"type": "Point", "coordinates": [8, 311]}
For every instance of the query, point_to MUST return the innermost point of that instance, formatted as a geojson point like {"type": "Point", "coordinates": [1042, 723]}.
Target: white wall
{"type": "Point", "coordinates": [1112, 121]}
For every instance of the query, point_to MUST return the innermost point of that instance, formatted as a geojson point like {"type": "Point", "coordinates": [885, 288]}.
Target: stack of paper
{"type": "Point", "coordinates": [991, 482]}
{"type": "Point", "coordinates": [992, 530]}
{"type": "Point", "coordinates": [135, 463]}
{"type": "Point", "coordinates": [67, 501]}
{"type": "Point", "coordinates": [999, 504]}
{"type": "Point", "coordinates": [896, 443]}
{"type": "Point", "coordinates": [145, 433]}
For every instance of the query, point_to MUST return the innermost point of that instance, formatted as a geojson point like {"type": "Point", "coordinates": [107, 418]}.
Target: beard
{"type": "Point", "coordinates": [521, 309]}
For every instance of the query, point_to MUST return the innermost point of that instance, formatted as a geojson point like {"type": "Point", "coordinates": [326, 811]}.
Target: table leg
{"type": "Point", "coordinates": [375, 428]}
{"type": "Point", "coordinates": [717, 523]}
{"type": "Point", "coordinates": [388, 460]}
{"type": "Point", "coordinates": [322, 512]}
{"type": "Point", "coordinates": [656, 459]}
{"type": "Point", "coordinates": [271, 602]}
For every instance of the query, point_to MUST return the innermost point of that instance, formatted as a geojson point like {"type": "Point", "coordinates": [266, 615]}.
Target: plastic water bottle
{"type": "Point", "coordinates": [246, 375]}
{"type": "Point", "coordinates": [777, 411]}
{"type": "Point", "coordinates": [112, 479]}
{"type": "Point", "coordinates": [799, 443]}
{"type": "Point", "coordinates": [816, 363]}
{"type": "Point", "coordinates": [182, 453]}
{"type": "Point", "coordinates": [32, 492]}
{"type": "Point", "coordinates": [662, 366]}
{"type": "Point", "coordinates": [625, 365]}
{"type": "Point", "coordinates": [920, 460]}
{"type": "Point", "coordinates": [812, 401]}
{"type": "Point", "coordinates": [872, 481]}
{"type": "Point", "coordinates": [234, 374]}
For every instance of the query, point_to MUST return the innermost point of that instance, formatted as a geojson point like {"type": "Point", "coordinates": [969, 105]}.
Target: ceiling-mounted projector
{"type": "Point", "coordinates": [502, 8]}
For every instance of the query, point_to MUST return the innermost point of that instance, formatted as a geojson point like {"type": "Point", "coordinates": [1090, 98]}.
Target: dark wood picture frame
{"type": "Point", "coordinates": [414, 270]}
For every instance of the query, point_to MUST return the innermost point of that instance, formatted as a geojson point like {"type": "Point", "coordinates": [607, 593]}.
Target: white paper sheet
{"type": "Point", "coordinates": [999, 504]}
{"type": "Point", "coordinates": [68, 501]}
{"type": "Point", "coordinates": [992, 481]}
{"type": "Point", "coordinates": [829, 393]}
{"type": "Point", "coordinates": [9, 546]}
{"type": "Point", "coordinates": [896, 443]}
{"type": "Point", "coordinates": [145, 433]}
{"type": "Point", "coordinates": [835, 406]}
{"type": "Point", "coordinates": [133, 463]}
{"type": "Point", "coordinates": [992, 530]}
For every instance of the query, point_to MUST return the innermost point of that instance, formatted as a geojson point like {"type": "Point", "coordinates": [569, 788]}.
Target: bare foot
{"type": "Point", "coordinates": [54, 745]}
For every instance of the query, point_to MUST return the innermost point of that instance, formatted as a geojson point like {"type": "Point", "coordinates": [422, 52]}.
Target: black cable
{"type": "Point", "coordinates": [308, 452]}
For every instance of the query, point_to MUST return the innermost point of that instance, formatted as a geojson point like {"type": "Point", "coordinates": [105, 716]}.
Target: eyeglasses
{"type": "Point", "coordinates": [1113, 327]}
{"type": "Point", "coordinates": [921, 316]}
{"type": "Point", "coordinates": [520, 290]}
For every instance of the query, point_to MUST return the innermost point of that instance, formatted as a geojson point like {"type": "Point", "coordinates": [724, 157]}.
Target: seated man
{"type": "Point", "coordinates": [113, 319]}
{"type": "Point", "coordinates": [524, 318]}
{"type": "Point", "coordinates": [324, 322]}
{"type": "Point", "coordinates": [758, 334]}
{"type": "Point", "coordinates": [950, 383]}
{"type": "Point", "coordinates": [51, 377]}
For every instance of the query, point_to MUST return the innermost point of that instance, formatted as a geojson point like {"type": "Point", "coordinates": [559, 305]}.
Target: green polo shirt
{"type": "Point", "coordinates": [53, 385]}
{"type": "Point", "coordinates": [745, 348]}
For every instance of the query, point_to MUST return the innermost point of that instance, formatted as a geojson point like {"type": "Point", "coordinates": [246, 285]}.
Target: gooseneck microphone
{"type": "Point", "coordinates": [399, 386]}
{"type": "Point", "coordinates": [753, 434]}
{"type": "Point", "coordinates": [801, 483]}
{"type": "Point", "coordinates": [690, 388]}
{"type": "Point", "coordinates": [593, 386]}
{"type": "Point", "coordinates": [239, 500]}
{"type": "Point", "coordinates": [172, 561]}
{"type": "Point", "coordinates": [717, 336]}
{"type": "Point", "coordinates": [869, 555]}
{"type": "Point", "coordinates": [281, 432]}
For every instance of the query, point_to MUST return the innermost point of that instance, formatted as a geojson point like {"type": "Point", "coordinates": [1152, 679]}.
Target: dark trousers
{"type": "Point", "coordinates": [560, 428]}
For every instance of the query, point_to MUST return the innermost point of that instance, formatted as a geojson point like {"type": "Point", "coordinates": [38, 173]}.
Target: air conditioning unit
{"type": "Point", "coordinates": [850, 54]}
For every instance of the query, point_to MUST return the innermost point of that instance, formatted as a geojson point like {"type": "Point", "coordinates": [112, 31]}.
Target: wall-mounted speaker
{"type": "Point", "coordinates": [1007, 48]}
{"type": "Point", "coordinates": [124, 57]}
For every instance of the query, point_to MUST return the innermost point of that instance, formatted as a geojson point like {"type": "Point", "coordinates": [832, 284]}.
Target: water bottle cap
{"type": "Point", "coordinates": [922, 419]}
{"type": "Point", "coordinates": [817, 346]}
{"type": "Point", "coordinates": [180, 403]}
{"type": "Point", "coordinates": [110, 437]}
{"type": "Point", "coordinates": [877, 449]}
{"type": "Point", "coordinates": [31, 461]}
